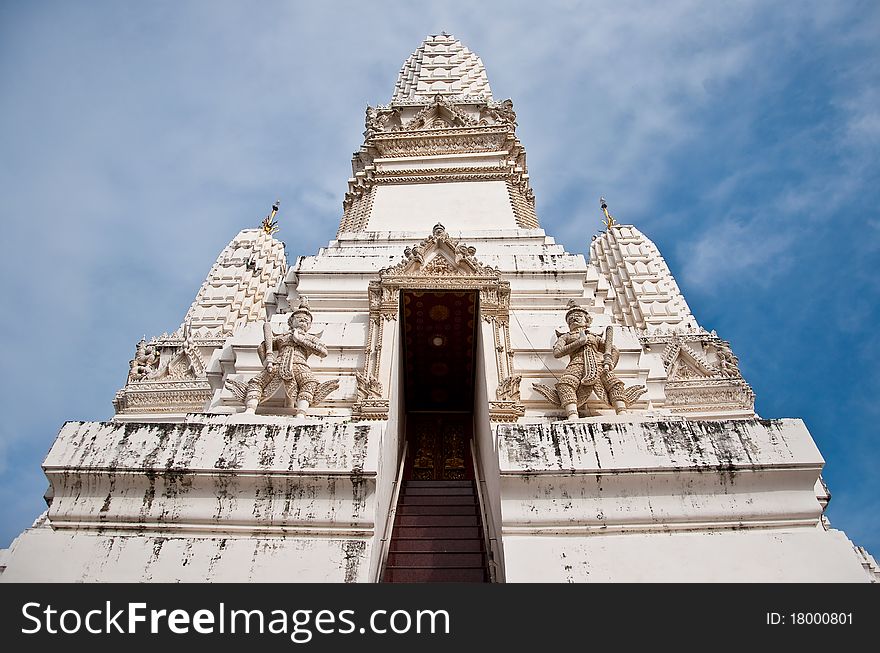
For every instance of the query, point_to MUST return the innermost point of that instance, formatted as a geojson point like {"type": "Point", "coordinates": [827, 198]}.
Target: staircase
{"type": "Point", "coordinates": [437, 535]}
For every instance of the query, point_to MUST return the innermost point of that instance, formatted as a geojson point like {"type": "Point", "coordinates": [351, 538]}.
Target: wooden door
{"type": "Point", "coordinates": [439, 447]}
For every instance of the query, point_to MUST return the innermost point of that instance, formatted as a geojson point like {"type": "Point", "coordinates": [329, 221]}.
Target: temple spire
{"type": "Point", "coordinates": [442, 65]}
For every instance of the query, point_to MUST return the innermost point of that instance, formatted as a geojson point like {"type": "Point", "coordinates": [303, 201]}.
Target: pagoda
{"type": "Point", "coordinates": [442, 393]}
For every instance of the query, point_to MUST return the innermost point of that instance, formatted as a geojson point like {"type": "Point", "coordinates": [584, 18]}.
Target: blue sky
{"type": "Point", "coordinates": [137, 139]}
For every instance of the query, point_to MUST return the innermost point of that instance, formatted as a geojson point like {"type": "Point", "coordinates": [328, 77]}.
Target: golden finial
{"type": "Point", "coordinates": [609, 220]}
{"type": "Point", "coordinates": [270, 224]}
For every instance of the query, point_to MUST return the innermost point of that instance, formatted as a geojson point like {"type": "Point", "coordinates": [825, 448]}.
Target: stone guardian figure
{"type": "Point", "coordinates": [591, 362]}
{"type": "Point", "coordinates": [145, 362]}
{"type": "Point", "coordinates": [285, 362]}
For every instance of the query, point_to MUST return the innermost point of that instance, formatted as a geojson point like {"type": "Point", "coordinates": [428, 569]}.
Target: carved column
{"type": "Point", "coordinates": [495, 310]}
{"type": "Point", "coordinates": [372, 401]}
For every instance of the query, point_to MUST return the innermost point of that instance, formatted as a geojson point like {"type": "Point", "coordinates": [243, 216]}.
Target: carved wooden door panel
{"type": "Point", "coordinates": [439, 447]}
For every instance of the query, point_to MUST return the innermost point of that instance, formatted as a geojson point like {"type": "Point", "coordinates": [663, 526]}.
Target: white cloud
{"type": "Point", "coordinates": [731, 250]}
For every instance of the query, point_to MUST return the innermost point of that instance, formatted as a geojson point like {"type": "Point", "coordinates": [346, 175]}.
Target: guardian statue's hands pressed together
{"type": "Point", "coordinates": [285, 361]}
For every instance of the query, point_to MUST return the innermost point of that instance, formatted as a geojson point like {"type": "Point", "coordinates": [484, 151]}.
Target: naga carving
{"type": "Point", "coordinates": [508, 389]}
{"type": "Point", "coordinates": [592, 359]}
{"type": "Point", "coordinates": [368, 387]}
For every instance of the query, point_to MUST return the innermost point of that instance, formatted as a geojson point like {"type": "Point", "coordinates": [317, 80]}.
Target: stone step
{"type": "Point", "coordinates": [438, 483]}
{"type": "Point", "coordinates": [437, 535]}
{"type": "Point", "coordinates": [416, 509]}
{"type": "Point", "coordinates": [437, 520]}
{"type": "Point", "coordinates": [448, 545]}
{"type": "Point", "coordinates": [409, 491]}
{"type": "Point", "coordinates": [428, 500]}
{"type": "Point", "coordinates": [434, 575]}
{"type": "Point", "coordinates": [435, 559]}
{"type": "Point", "coordinates": [440, 532]}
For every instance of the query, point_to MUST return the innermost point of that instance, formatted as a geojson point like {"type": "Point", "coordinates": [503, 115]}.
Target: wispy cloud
{"type": "Point", "coordinates": [731, 250]}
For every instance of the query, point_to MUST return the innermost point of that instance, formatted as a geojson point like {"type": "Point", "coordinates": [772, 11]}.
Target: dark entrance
{"type": "Point", "coordinates": [438, 534]}
{"type": "Point", "coordinates": [439, 338]}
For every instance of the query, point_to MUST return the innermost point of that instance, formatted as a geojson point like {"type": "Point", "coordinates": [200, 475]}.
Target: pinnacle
{"type": "Point", "coordinates": [442, 65]}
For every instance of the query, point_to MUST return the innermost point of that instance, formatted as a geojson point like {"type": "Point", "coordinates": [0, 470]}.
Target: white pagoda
{"type": "Point", "coordinates": [443, 393]}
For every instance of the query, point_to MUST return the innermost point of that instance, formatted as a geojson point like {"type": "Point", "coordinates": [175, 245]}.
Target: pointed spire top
{"type": "Point", "coordinates": [609, 220]}
{"type": "Point", "coordinates": [270, 224]}
{"type": "Point", "coordinates": [442, 65]}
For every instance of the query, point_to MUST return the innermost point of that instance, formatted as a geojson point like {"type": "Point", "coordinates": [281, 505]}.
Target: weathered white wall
{"type": "Point", "coordinates": [70, 556]}
{"type": "Point", "coordinates": [673, 500]}
{"type": "Point", "coordinates": [746, 556]}
{"type": "Point", "coordinates": [234, 500]}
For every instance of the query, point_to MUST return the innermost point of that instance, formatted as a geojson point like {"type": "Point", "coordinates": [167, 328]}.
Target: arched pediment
{"type": "Point", "coordinates": [439, 115]}
{"type": "Point", "coordinates": [440, 255]}
{"type": "Point", "coordinates": [440, 262]}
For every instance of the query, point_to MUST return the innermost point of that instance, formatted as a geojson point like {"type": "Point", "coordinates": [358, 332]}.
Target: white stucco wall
{"type": "Point", "coordinates": [458, 205]}
{"type": "Point", "coordinates": [666, 501]}
{"type": "Point", "coordinates": [270, 499]}
{"type": "Point", "coordinates": [744, 556]}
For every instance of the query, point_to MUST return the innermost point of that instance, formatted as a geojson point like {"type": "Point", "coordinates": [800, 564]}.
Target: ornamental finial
{"type": "Point", "coordinates": [270, 224]}
{"type": "Point", "coordinates": [609, 220]}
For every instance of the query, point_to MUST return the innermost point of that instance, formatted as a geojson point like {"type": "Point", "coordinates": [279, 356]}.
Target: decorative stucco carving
{"type": "Point", "coordinates": [508, 389]}
{"type": "Point", "coordinates": [370, 409]}
{"type": "Point", "coordinates": [442, 140]}
{"type": "Point", "coordinates": [285, 363]}
{"type": "Point", "coordinates": [186, 364]}
{"type": "Point", "coordinates": [177, 386]}
{"type": "Point", "coordinates": [370, 404]}
{"type": "Point", "coordinates": [703, 373]}
{"type": "Point", "coordinates": [462, 256]}
{"type": "Point", "coordinates": [592, 359]}
{"type": "Point", "coordinates": [164, 398]}
{"type": "Point", "coordinates": [706, 395]}
{"type": "Point", "coordinates": [439, 262]}
{"type": "Point", "coordinates": [381, 119]}
{"type": "Point", "coordinates": [507, 406]}
{"type": "Point", "coordinates": [440, 114]}
{"type": "Point", "coordinates": [444, 124]}
{"type": "Point", "coordinates": [368, 387]}
{"type": "Point", "coordinates": [145, 362]}
{"type": "Point", "coordinates": [728, 363]}
{"type": "Point", "coordinates": [498, 113]}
